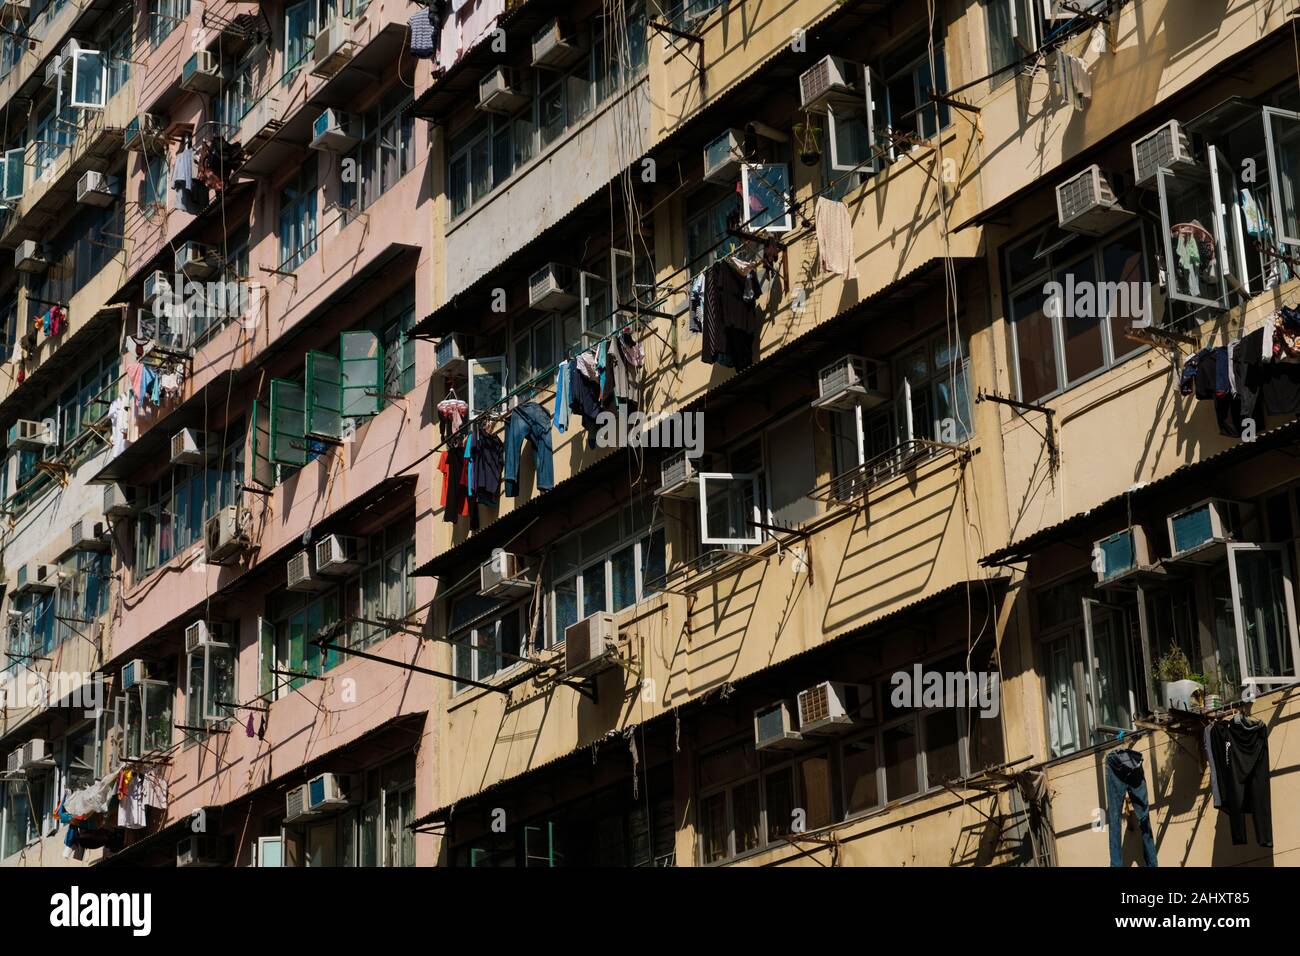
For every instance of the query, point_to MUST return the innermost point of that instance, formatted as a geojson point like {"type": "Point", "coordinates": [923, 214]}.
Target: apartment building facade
{"type": "Point", "coordinates": [283, 270]}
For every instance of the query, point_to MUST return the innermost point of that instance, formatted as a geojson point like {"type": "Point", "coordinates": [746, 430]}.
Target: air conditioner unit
{"type": "Point", "coordinates": [260, 122]}
{"type": "Point", "coordinates": [157, 285]}
{"type": "Point", "coordinates": [555, 47]}
{"type": "Point", "coordinates": [1122, 555]}
{"type": "Point", "coordinates": [32, 435]}
{"type": "Point", "coordinates": [223, 535]}
{"type": "Point", "coordinates": [334, 131]}
{"type": "Point", "coordinates": [37, 754]}
{"type": "Point", "coordinates": [29, 256]}
{"type": "Point", "coordinates": [200, 849]}
{"type": "Point", "coordinates": [202, 634]}
{"type": "Point", "coordinates": [55, 69]}
{"type": "Point", "coordinates": [119, 501]}
{"type": "Point", "coordinates": [88, 535]}
{"type": "Point", "coordinates": [37, 577]}
{"type": "Point", "coordinates": [501, 576]}
{"type": "Point", "coordinates": [14, 761]}
{"type": "Point", "coordinates": [95, 189]}
{"type": "Point", "coordinates": [1200, 533]}
{"type": "Point", "coordinates": [189, 447]}
{"type": "Point", "coordinates": [589, 645]}
{"type": "Point", "coordinates": [134, 671]}
{"type": "Point", "coordinates": [774, 727]}
{"type": "Point", "coordinates": [295, 805]}
{"type": "Point", "coordinates": [678, 476]}
{"type": "Point", "coordinates": [498, 92]}
{"type": "Point", "coordinates": [451, 354]}
{"type": "Point", "coordinates": [852, 380]}
{"type": "Point", "coordinates": [197, 261]}
{"type": "Point", "coordinates": [327, 791]}
{"type": "Point", "coordinates": [338, 554]}
{"type": "Point", "coordinates": [1168, 147]}
{"type": "Point", "coordinates": [300, 576]}
{"type": "Point", "coordinates": [202, 73]}
{"type": "Point", "coordinates": [1085, 203]}
{"type": "Point", "coordinates": [549, 288]}
{"type": "Point", "coordinates": [831, 79]}
{"type": "Point", "coordinates": [334, 47]}
{"type": "Point", "coordinates": [143, 132]}
{"type": "Point", "coordinates": [723, 157]}
{"type": "Point", "coordinates": [832, 707]}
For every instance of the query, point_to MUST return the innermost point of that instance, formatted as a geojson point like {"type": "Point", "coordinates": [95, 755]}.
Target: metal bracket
{"type": "Point", "coordinates": [1053, 453]}
{"type": "Point", "coordinates": [660, 27]}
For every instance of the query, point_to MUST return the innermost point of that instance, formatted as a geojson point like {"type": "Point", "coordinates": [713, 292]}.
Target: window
{"type": "Point", "coordinates": [164, 17]}
{"type": "Point", "coordinates": [155, 181]}
{"type": "Point", "coordinates": [30, 630]}
{"type": "Point", "coordinates": [298, 219]}
{"type": "Point", "coordinates": [478, 653]}
{"type": "Point", "coordinates": [82, 594]}
{"type": "Point", "coordinates": [608, 566]}
{"type": "Point", "coordinates": [907, 92]}
{"type": "Point", "coordinates": [89, 87]}
{"type": "Point", "coordinates": [1263, 614]}
{"type": "Point", "coordinates": [144, 714]}
{"type": "Point", "coordinates": [1017, 28]}
{"type": "Point", "coordinates": [210, 680]}
{"type": "Point", "coordinates": [385, 154]}
{"type": "Point", "coordinates": [1061, 335]}
{"type": "Point", "coordinates": [710, 214]}
{"type": "Point", "coordinates": [299, 36]}
{"type": "Point", "coordinates": [237, 92]}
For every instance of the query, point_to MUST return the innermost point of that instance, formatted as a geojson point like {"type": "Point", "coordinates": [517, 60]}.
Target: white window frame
{"type": "Point", "coordinates": [1276, 180]}
{"type": "Point", "coordinates": [483, 363]}
{"type": "Point", "coordinates": [209, 709]}
{"type": "Point", "coordinates": [1238, 615]}
{"type": "Point", "coordinates": [1164, 177]}
{"type": "Point", "coordinates": [99, 63]}
{"type": "Point", "coordinates": [11, 156]}
{"type": "Point", "coordinates": [779, 225]}
{"type": "Point", "coordinates": [585, 282]}
{"type": "Point", "coordinates": [704, 478]}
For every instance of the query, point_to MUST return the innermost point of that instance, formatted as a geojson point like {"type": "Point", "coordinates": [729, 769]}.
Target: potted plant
{"type": "Point", "coordinates": [1179, 688]}
{"type": "Point", "coordinates": [807, 137]}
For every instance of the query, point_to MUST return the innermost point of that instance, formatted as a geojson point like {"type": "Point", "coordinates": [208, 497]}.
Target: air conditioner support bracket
{"type": "Point", "coordinates": [1049, 435]}
{"type": "Point", "coordinates": [693, 38]}
{"type": "Point", "coordinates": [585, 686]}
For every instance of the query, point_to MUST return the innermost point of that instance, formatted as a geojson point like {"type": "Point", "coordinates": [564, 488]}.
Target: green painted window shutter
{"type": "Point", "coordinates": [288, 432]}
{"type": "Point", "coordinates": [265, 656]}
{"type": "Point", "coordinates": [263, 467]}
{"type": "Point", "coordinates": [324, 409]}
{"type": "Point", "coordinates": [363, 373]}
{"type": "Point", "coordinates": [296, 655]}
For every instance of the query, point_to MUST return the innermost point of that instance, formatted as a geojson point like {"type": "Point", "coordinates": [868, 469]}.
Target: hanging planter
{"type": "Point", "coordinates": [807, 137]}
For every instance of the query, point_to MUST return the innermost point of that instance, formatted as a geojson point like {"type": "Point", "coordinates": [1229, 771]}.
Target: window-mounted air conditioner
{"type": "Point", "coordinates": [203, 634]}
{"type": "Point", "coordinates": [14, 761]}
{"type": "Point", "coordinates": [589, 645]}
{"type": "Point", "coordinates": [119, 501]}
{"type": "Point", "coordinates": [88, 534]}
{"type": "Point", "coordinates": [55, 69]}
{"type": "Point", "coordinates": [196, 261]}
{"type": "Point", "coordinates": [29, 256]}
{"type": "Point", "coordinates": [502, 575]}
{"type": "Point", "coordinates": [295, 805]}
{"type": "Point", "coordinates": [260, 122]}
{"type": "Point", "coordinates": [200, 849]}
{"type": "Point", "coordinates": [550, 288]}
{"type": "Point", "coordinates": [202, 73]}
{"type": "Point", "coordinates": [157, 285]}
{"type": "Point", "coordinates": [334, 131]}
{"type": "Point", "coordinates": [37, 577]}
{"type": "Point", "coordinates": [1167, 146]}
{"type": "Point", "coordinates": [134, 671]}
{"type": "Point", "coordinates": [1199, 533]}
{"type": "Point", "coordinates": [96, 189]}
{"type": "Point", "coordinates": [31, 435]}
{"type": "Point", "coordinates": [499, 92]}
{"type": "Point", "coordinates": [334, 47]}
{"type": "Point", "coordinates": [831, 79]}
{"type": "Point", "coordinates": [678, 476]}
{"type": "Point", "coordinates": [338, 554]}
{"type": "Point", "coordinates": [189, 447]}
{"type": "Point", "coordinates": [328, 791]}
{"type": "Point", "coordinates": [852, 380]}
{"type": "Point", "coordinates": [832, 707]}
{"type": "Point", "coordinates": [1122, 555]}
{"type": "Point", "coordinates": [1085, 203]}
{"type": "Point", "coordinates": [774, 727]}
{"type": "Point", "coordinates": [301, 576]}
{"type": "Point", "coordinates": [452, 353]}
{"type": "Point", "coordinates": [223, 535]}
{"type": "Point", "coordinates": [723, 157]}
{"type": "Point", "coordinates": [37, 754]}
{"type": "Point", "coordinates": [555, 46]}
{"type": "Point", "coordinates": [143, 132]}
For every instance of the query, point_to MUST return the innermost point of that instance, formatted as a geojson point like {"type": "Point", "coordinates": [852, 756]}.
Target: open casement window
{"type": "Point", "coordinates": [765, 190]}
{"type": "Point", "coordinates": [1192, 237]}
{"type": "Point", "coordinates": [12, 180]}
{"type": "Point", "coordinates": [146, 716]}
{"type": "Point", "coordinates": [210, 686]}
{"type": "Point", "coordinates": [487, 383]}
{"type": "Point", "coordinates": [323, 415]}
{"type": "Point", "coordinates": [597, 309]}
{"type": "Point", "coordinates": [263, 471]}
{"type": "Point", "coordinates": [879, 141]}
{"type": "Point", "coordinates": [1112, 697]}
{"type": "Point", "coordinates": [89, 79]}
{"type": "Point", "coordinates": [1229, 230]}
{"type": "Point", "coordinates": [730, 509]}
{"type": "Point", "coordinates": [266, 681]}
{"type": "Point", "coordinates": [270, 851]}
{"type": "Point", "coordinates": [1263, 608]}
{"type": "Point", "coordinates": [288, 444]}
{"type": "Point", "coordinates": [1062, 709]}
{"type": "Point", "coordinates": [362, 373]}
{"type": "Point", "coordinates": [1282, 137]}
{"type": "Point", "coordinates": [851, 138]}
